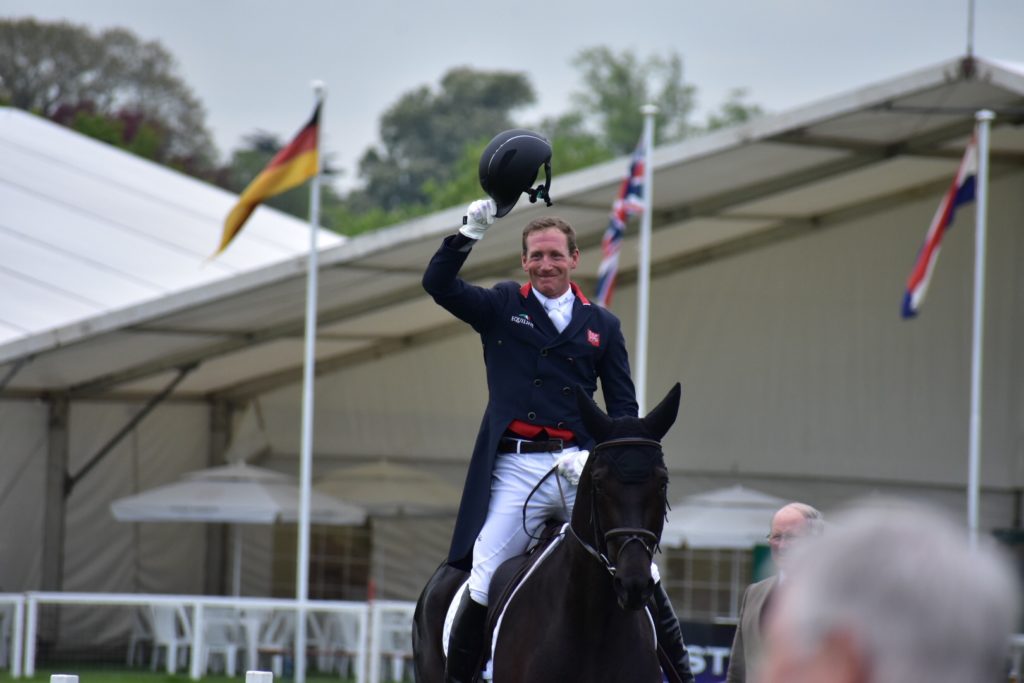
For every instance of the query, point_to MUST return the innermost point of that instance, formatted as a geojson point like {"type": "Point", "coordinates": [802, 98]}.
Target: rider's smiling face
{"type": "Point", "coordinates": [548, 262]}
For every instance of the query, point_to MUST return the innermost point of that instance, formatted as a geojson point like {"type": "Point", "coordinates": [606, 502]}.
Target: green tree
{"type": "Point", "coordinates": [733, 111]}
{"type": "Point", "coordinates": [615, 86]}
{"type": "Point", "coordinates": [50, 68]}
{"type": "Point", "coordinates": [426, 132]}
{"type": "Point", "coordinates": [573, 146]}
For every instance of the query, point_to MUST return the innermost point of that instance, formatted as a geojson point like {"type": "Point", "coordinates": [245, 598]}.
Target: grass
{"type": "Point", "coordinates": [97, 673]}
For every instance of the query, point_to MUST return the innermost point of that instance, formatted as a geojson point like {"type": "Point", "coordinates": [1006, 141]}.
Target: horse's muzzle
{"type": "Point", "coordinates": [633, 593]}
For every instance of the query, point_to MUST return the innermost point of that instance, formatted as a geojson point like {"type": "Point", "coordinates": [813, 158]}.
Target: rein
{"type": "Point", "coordinates": [647, 539]}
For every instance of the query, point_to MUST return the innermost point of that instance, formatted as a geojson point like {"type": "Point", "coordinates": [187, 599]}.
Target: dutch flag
{"type": "Point", "coordinates": [960, 192]}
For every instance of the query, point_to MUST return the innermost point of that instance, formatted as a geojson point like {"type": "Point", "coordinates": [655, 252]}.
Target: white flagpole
{"type": "Point", "coordinates": [984, 119]}
{"type": "Point", "coordinates": [644, 274]}
{"type": "Point", "coordinates": [309, 362]}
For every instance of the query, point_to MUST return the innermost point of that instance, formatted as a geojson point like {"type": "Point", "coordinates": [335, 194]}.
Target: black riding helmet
{"type": "Point", "coordinates": [509, 166]}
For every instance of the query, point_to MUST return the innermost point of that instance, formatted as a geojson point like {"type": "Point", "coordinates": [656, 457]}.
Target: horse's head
{"type": "Point", "coordinates": [621, 498]}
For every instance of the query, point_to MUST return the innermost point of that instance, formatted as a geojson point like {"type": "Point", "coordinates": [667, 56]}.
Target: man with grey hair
{"type": "Point", "coordinates": [790, 524]}
{"type": "Point", "coordinates": [893, 594]}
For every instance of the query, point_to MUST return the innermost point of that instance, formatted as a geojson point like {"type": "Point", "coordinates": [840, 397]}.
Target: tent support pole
{"type": "Point", "coordinates": [54, 513]}
{"type": "Point", "coordinates": [217, 534]}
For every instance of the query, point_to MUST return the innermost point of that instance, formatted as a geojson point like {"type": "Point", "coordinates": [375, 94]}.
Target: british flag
{"type": "Point", "coordinates": [628, 203]}
{"type": "Point", "coordinates": [960, 192]}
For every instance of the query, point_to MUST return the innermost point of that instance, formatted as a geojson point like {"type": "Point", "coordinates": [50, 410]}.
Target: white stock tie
{"type": "Point", "coordinates": [559, 316]}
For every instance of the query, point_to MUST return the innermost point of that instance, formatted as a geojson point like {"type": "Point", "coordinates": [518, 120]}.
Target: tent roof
{"type": "Point", "coordinates": [733, 190]}
{"type": "Point", "coordinates": [237, 494]}
{"type": "Point", "coordinates": [90, 232]}
{"type": "Point", "coordinates": [734, 517]}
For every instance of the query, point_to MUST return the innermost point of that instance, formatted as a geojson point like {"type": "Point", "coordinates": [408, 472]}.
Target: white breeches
{"type": "Point", "coordinates": [502, 535]}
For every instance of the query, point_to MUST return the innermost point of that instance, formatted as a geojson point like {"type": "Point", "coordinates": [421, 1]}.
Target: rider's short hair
{"type": "Point", "coordinates": [545, 222]}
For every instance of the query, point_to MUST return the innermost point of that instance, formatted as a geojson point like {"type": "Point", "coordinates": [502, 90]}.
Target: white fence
{"type": "Point", "coordinates": [367, 634]}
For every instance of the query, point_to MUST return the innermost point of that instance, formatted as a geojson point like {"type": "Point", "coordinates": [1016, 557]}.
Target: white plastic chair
{"type": "Point", "coordinates": [172, 634]}
{"type": "Point", "coordinates": [396, 640]}
{"type": "Point", "coordinates": [140, 633]}
{"type": "Point", "coordinates": [221, 638]}
{"type": "Point", "coordinates": [278, 639]}
{"type": "Point", "coordinates": [338, 642]}
{"type": "Point", "coordinates": [6, 616]}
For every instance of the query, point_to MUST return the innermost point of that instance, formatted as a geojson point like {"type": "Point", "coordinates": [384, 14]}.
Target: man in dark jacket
{"type": "Point", "coordinates": [540, 340]}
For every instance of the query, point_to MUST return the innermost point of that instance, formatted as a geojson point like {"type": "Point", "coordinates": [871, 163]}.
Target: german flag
{"type": "Point", "coordinates": [290, 167]}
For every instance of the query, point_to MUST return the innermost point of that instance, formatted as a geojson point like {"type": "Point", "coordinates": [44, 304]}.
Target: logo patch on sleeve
{"type": "Point", "coordinates": [593, 338]}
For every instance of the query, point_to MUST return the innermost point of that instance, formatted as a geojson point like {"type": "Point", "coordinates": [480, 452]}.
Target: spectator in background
{"type": "Point", "coordinates": [892, 594]}
{"type": "Point", "coordinates": [789, 524]}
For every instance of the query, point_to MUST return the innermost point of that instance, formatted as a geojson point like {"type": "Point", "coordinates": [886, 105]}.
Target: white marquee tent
{"type": "Point", "coordinates": [780, 252]}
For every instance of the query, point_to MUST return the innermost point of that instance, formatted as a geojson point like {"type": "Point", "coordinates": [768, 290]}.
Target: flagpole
{"type": "Point", "coordinates": [984, 119]}
{"type": "Point", "coordinates": [644, 275]}
{"type": "Point", "coordinates": [308, 364]}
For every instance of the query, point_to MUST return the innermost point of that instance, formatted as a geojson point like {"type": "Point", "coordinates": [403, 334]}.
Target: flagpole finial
{"type": "Point", "coordinates": [649, 109]}
{"type": "Point", "coordinates": [984, 115]}
{"type": "Point", "coordinates": [319, 88]}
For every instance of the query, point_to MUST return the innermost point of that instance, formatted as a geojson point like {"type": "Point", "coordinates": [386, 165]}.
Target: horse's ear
{"type": "Point", "coordinates": [598, 425]}
{"type": "Point", "coordinates": [661, 418]}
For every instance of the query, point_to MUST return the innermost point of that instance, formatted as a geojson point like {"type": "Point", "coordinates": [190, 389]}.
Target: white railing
{"type": "Point", "coordinates": [13, 606]}
{"type": "Point", "coordinates": [379, 625]}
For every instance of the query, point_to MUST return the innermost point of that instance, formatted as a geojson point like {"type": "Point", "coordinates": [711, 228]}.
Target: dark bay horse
{"type": "Point", "coordinates": [578, 615]}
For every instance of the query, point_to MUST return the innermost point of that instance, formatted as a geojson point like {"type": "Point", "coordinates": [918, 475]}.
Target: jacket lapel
{"type": "Point", "coordinates": [581, 314]}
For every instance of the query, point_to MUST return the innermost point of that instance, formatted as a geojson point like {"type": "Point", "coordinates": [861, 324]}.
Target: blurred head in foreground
{"type": "Point", "coordinates": [892, 594]}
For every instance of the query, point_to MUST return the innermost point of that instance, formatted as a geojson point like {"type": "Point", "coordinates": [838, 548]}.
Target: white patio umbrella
{"type": "Point", "coordinates": [386, 489]}
{"type": "Point", "coordinates": [233, 494]}
{"type": "Point", "coordinates": [733, 517]}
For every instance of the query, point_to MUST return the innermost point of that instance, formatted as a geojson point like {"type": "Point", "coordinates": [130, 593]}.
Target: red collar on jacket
{"type": "Point", "coordinates": [526, 289]}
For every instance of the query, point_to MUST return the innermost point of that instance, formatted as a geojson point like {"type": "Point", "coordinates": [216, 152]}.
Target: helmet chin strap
{"type": "Point", "coordinates": [541, 191]}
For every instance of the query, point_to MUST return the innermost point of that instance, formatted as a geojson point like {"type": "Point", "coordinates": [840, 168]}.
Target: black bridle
{"type": "Point", "coordinates": [647, 539]}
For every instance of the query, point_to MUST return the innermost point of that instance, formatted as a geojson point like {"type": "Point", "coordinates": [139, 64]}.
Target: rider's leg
{"type": "Point", "coordinates": [501, 538]}
{"type": "Point", "coordinates": [670, 636]}
{"type": "Point", "coordinates": [466, 642]}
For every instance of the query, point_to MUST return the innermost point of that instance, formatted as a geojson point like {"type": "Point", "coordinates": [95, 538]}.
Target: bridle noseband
{"type": "Point", "coordinates": [647, 539]}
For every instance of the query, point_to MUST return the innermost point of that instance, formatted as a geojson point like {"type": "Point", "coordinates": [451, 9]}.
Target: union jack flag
{"type": "Point", "coordinates": [960, 192]}
{"type": "Point", "coordinates": [628, 203]}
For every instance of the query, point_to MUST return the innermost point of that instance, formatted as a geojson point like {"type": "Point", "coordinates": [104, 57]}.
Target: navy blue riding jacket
{"type": "Point", "coordinates": [531, 372]}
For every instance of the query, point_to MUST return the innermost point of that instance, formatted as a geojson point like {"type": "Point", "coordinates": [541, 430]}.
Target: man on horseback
{"type": "Point", "coordinates": [540, 340]}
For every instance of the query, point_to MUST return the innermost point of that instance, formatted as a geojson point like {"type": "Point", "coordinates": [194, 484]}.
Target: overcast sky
{"type": "Point", "coordinates": [251, 62]}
